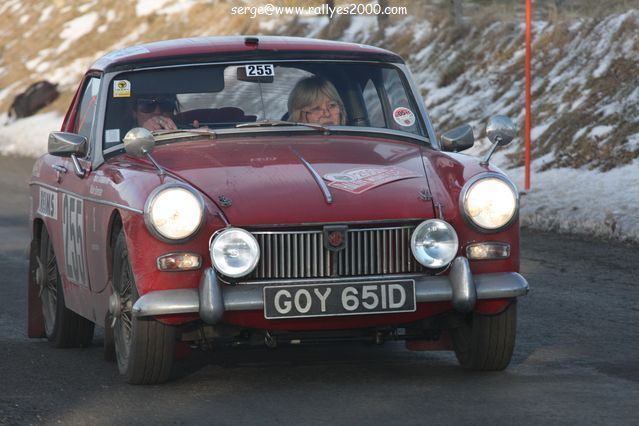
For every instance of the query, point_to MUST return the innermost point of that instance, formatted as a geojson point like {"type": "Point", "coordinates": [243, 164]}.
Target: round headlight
{"type": "Point", "coordinates": [490, 203]}
{"type": "Point", "coordinates": [434, 243]}
{"type": "Point", "coordinates": [234, 252]}
{"type": "Point", "coordinates": [174, 212]}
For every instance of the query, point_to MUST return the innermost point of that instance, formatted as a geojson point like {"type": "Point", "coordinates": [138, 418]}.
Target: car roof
{"type": "Point", "coordinates": [209, 49]}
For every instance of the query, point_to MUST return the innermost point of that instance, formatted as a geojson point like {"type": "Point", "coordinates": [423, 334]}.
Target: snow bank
{"type": "Point", "coordinates": [28, 137]}
{"type": "Point", "coordinates": [587, 202]}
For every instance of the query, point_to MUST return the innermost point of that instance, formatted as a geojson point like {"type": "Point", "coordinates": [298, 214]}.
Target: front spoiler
{"type": "Point", "coordinates": [460, 287]}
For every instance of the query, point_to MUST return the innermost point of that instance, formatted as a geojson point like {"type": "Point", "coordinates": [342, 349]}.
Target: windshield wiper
{"type": "Point", "coordinates": [166, 134]}
{"type": "Point", "coordinates": [273, 123]}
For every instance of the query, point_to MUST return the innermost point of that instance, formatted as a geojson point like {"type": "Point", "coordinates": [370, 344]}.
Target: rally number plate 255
{"type": "Point", "coordinates": [357, 298]}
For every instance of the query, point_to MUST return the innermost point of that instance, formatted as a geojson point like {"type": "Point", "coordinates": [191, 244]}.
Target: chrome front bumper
{"type": "Point", "coordinates": [460, 287]}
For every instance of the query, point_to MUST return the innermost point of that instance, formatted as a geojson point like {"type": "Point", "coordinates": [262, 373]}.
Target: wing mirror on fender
{"type": "Point", "coordinates": [139, 142]}
{"type": "Point", "coordinates": [500, 130]}
{"type": "Point", "coordinates": [458, 139]}
{"type": "Point", "coordinates": [63, 144]}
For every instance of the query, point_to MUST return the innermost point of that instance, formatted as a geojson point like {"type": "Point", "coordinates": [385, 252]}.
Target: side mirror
{"type": "Point", "coordinates": [63, 144]}
{"type": "Point", "coordinates": [138, 142]}
{"type": "Point", "coordinates": [500, 130]}
{"type": "Point", "coordinates": [458, 139]}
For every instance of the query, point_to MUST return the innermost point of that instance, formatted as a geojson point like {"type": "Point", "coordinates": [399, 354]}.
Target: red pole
{"type": "Point", "coordinates": [528, 117]}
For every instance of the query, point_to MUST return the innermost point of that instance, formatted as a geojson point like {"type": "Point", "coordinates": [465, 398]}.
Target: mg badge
{"type": "Point", "coordinates": [335, 237]}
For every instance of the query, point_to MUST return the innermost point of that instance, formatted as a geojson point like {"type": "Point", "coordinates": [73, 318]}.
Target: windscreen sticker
{"type": "Point", "coordinates": [260, 70]}
{"type": "Point", "coordinates": [121, 89]}
{"type": "Point", "coordinates": [48, 205]}
{"type": "Point", "coordinates": [404, 117]}
{"type": "Point", "coordinates": [357, 181]}
{"type": "Point", "coordinates": [112, 135]}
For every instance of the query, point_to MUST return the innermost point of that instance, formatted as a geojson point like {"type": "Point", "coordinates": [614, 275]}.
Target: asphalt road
{"type": "Point", "coordinates": [576, 359]}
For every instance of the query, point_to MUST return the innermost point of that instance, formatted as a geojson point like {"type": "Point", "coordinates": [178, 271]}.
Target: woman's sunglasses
{"type": "Point", "coordinates": [149, 105]}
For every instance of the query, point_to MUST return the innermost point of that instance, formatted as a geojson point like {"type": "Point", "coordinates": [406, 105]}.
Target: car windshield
{"type": "Point", "coordinates": [319, 94]}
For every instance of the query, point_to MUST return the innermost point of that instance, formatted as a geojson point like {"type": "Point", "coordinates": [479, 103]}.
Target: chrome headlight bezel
{"type": "Point", "coordinates": [216, 238]}
{"type": "Point", "coordinates": [463, 196]}
{"type": "Point", "coordinates": [152, 198]}
{"type": "Point", "coordinates": [442, 262]}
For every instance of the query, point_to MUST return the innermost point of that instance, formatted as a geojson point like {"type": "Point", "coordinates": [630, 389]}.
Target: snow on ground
{"type": "Point", "coordinates": [587, 202]}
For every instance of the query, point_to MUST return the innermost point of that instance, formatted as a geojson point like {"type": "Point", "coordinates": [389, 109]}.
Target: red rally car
{"type": "Point", "coordinates": [268, 190]}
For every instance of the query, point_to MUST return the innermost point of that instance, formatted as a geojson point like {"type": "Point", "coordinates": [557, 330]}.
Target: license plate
{"type": "Point", "coordinates": [359, 298]}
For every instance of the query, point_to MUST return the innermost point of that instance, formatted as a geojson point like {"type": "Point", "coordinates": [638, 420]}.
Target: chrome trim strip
{"type": "Point", "coordinates": [313, 224]}
{"type": "Point", "coordinates": [212, 299]}
{"type": "Point", "coordinates": [316, 176]}
{"type": "Point", "coordinates": [319, 231]}
{"type": "Point", "coordinates": [93, 200]}
{"type": "Point", "coordinates": [167, 302]}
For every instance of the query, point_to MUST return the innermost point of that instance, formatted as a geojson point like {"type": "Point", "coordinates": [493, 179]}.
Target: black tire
{"type": "Point", "coordinates": [144, 347]}
{"type": "Point", "coordinates": [486, 342]}
{"type": "Point", "coordinates": [63, 327]}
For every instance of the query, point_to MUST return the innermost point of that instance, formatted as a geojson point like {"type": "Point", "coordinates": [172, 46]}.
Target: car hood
{"type": "Point", "coordinates": [270, 180]}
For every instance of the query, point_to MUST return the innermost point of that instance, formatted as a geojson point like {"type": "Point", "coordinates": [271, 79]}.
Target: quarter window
{"type": "Point", "coordinates": [86, 113]}
{"type": "Point", "coordinates": [373, 105]}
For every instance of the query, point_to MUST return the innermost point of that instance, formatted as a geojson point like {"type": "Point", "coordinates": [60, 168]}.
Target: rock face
{"type": "Point", "coordinates": [37, 96]}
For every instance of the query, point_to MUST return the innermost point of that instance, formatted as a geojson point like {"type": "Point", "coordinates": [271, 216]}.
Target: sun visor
{"type": "Point", "coordinates": [175, 80]}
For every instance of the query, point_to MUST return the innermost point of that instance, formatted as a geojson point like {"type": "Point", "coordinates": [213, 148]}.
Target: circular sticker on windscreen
{"type": "Point", "coordinates": [403, 116]}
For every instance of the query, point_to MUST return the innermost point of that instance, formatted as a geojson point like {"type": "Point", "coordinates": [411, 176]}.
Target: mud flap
{"type": "Point", "coordinates": [35, 321]}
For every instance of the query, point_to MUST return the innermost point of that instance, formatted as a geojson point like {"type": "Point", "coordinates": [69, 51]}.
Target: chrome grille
{"type": "Point", "coordinates": [301, 254]}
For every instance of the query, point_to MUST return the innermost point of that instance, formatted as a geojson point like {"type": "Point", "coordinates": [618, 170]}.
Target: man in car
{"type": "Point", "coordinates": [155, 112]}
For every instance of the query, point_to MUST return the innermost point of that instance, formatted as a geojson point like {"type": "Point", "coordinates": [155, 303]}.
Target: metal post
{"type": "Point", "coordinates": [528, 117]}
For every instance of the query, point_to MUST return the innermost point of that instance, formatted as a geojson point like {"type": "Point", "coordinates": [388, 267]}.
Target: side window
{"type": "Point", "coordinates": [86, 113]}
{"type": "Point", "coordinates": [373, 105]}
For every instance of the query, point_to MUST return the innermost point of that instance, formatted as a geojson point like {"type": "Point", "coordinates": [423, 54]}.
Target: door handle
{"type": "Point", "coordinates": [59, 170]}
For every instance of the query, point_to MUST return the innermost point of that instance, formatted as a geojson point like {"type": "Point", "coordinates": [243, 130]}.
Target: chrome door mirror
{"type": "Point", "coordinates": [138, 142]}
{"type": "Point", "coordinates": [63, 144]}
{"type": "Point", "coordinates": [500, 130]}
{"type": "Point", "coordinates": [458, 139]}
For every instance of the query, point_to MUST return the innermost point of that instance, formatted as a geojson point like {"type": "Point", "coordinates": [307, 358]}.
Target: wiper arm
{"type": "Point", "coordinates": [273, 123]}
{"type": "Point", "coordinates": [166, 134]}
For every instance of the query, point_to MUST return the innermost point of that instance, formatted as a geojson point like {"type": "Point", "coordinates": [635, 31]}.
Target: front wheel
{"type": "Point", "coordinates": [63, 327]}
{"type": "Point", "coordinates": [486, 342]}
{"type": "Point", "coordinates": [144, 347]}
